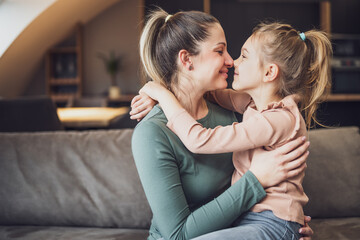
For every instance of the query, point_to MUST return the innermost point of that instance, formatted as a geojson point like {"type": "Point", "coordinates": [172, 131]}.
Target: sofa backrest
{"type": "Point", "coordinates": [71, 179]}
{"type": "Point", "coordinates": [89, 178]}
{"type": "Point", "coordinates": [332, 179]}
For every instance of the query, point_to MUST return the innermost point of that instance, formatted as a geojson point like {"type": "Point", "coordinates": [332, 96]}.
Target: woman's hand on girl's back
{"type": "Point", "coordinates": [141, 105]}
{"type": "Point", "coordinates": [287, 161]}
{"type": "Point", "coordinates": [306, 231]}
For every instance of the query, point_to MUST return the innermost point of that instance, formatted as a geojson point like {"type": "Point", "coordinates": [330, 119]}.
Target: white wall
{"type": "Point", "coordinates": [15, 16]}
{"type": "Point", "coordinates": [22, 59]}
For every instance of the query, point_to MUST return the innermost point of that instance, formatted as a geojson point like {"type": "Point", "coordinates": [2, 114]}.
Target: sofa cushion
{"type": "Point", "coordinates": [71, 179]}
{"type": "Point", "coordinates": [336, 228]}
{"type": "Point", "coordinates": [66, 233]}
{"type": "Point", "coordinates": [332, 179]}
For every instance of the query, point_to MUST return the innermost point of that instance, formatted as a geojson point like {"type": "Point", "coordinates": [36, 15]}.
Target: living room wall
{"type": "Point", "coordinates": [115, 29]}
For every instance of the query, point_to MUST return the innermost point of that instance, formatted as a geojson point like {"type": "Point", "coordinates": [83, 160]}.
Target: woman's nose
{"type": "Point", "coordinates": [229, 62]}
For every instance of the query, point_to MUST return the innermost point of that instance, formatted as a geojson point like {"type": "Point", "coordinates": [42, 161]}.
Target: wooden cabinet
{"type": "Point", "coordinates": [64, 68]}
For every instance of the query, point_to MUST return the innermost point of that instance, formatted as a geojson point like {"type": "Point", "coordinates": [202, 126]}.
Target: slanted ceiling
{"type": "Point", "coordinates": [24, 55]}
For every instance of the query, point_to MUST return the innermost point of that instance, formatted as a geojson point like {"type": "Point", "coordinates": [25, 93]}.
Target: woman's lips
{"type": "Point", "coordinates": [224, 73]}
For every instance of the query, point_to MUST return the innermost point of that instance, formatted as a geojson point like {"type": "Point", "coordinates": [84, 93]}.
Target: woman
{"type": "Point", "coordinates": [190, 194]}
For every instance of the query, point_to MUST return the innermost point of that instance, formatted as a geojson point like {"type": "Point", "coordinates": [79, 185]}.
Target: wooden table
{"type": "Point", "coordinates": [89, 117]}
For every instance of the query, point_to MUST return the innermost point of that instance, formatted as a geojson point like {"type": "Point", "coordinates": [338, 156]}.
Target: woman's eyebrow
{"type": "Point", "coordinates": [221, 43]}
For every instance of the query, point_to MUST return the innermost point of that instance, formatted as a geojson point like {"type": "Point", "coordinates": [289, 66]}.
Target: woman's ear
{"type": "Point", "coordinates": [185, 59]}
{"type": "Point", "coordinates": [271, 72]}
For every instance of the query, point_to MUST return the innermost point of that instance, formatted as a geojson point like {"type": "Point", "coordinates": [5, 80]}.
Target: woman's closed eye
{"type": "Point", "coordinates": [220, 50]}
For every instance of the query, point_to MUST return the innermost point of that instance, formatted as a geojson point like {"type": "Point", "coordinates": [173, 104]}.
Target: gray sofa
{"type": "Point", "coordinates": [84, 185]}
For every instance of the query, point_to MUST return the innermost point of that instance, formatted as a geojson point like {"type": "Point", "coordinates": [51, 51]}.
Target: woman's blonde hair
{"type": "Point", "coordinates": [303, 61]}
{"type": "Point", "coordinates": [165, 35]}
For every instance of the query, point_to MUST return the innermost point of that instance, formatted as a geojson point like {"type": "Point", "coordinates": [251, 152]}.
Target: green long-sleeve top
{"type": "Point", "coordinates": [189, 194]}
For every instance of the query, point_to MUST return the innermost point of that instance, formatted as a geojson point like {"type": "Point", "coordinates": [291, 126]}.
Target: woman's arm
{"type": "Point", "coordinates": [159, 174]}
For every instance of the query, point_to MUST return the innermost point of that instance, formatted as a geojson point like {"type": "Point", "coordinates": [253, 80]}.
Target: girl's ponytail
{"type": "Point", "coordinates": [304, 62]}
{"type": "Point", "coordinates": [318, 82]}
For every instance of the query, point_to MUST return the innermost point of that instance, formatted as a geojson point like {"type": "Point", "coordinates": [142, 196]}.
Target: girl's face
{"type": "Point", "coordinates": [210, 66]}
{"type": "Point", "coordinates": [247, 70]}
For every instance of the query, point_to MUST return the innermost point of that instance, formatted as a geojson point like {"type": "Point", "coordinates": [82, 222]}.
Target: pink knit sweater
{"type": "Point", "coordinates": [259, 131]}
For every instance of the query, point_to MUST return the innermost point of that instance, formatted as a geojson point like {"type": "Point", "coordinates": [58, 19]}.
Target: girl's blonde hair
{"type": "Point", "coordinates": [304, 64]}
{"type": "Point", "coordinates": [165, 35]}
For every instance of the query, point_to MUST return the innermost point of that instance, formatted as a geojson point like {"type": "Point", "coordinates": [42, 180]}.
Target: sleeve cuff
{"type": "Point", "coordinates": [255, 185]}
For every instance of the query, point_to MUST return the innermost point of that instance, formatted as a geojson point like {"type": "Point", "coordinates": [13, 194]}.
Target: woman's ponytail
{"type": "Point", "coordinates": [165, 35]}
{"type": "Point", "coordinates": [148, 44]}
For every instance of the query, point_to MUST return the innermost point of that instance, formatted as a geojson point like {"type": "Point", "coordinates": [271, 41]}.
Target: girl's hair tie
{"type": "Point", "coordinates": [302, 36]}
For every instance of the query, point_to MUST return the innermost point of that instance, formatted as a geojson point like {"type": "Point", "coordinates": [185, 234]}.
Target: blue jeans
{"type": "Point", "coordinates": [257, 226]}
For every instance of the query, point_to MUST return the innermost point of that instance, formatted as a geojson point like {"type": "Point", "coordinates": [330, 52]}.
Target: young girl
{"type": "Point", "coordinates": [278, 69]}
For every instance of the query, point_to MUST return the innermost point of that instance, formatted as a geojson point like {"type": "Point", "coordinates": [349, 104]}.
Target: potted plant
{"type": "Point", "coordinates": [113, 65]}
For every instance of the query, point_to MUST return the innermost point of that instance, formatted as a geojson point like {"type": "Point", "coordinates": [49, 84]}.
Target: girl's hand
{"type": "Point", "coordinates": [141, 105]}
{"type": "Point", "coordinates": [154, 90]}
{"type": "Point", "coordinates": [306, 231]}
{"type": "Point", "coordinates": [287, 161]}
{"type": "Point", "coordinates": [167, 100]}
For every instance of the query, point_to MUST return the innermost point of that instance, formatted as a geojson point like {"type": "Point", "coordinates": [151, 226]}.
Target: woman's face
{"type": "Point", "coordinates": [247, 70]}
{"type": "Point", "coordinates": [210, 66]}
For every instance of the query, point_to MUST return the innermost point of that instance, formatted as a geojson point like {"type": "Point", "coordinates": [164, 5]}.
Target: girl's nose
{"type": "Point", "coordinates": [236, 62]}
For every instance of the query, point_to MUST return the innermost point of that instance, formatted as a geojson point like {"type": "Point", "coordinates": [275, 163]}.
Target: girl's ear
{"type": "Point", "coordinates": [185, 59]}
{"type": "Point", "coordinates": [271, 72]}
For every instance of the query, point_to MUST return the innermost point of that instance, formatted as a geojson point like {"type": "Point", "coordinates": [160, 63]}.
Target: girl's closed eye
{"type": "Point", "coordinates": [243, 53]}
{"type": "Point", "coordinates": [242, 56]}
